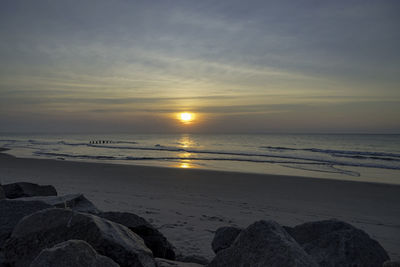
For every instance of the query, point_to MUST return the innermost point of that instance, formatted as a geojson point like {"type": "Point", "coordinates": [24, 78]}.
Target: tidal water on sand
{"type": "Point", "coordinates": [365, 157]}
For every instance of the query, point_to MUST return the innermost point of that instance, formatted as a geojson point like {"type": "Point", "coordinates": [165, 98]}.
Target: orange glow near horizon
{"type": "Point", "coordinates": [184, 165]}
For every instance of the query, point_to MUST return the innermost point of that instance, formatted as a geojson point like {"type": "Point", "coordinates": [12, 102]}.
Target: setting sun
{"type": "Point", "coordinates": [186, 117]}
{"type": "Point", "coordinates": [185, 165]}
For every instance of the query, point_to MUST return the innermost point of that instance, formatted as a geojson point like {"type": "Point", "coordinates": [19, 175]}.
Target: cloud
{"type": "Point", "coordinates": [229, 58]}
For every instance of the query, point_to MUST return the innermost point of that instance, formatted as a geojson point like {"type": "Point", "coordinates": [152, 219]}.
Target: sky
{"type": "Point", "coordinates": [239, 66]}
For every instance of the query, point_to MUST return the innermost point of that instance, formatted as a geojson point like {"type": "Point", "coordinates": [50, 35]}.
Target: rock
{"type": "Point", "coordinates": [336, 243]}
{"type": "Point", "coordinates": [264, 243]}
{"type": "Point", "coordinates": [49, 227]}
{"type": "Point", "coordinates": [12, 211]}
{"type": "Point", "coordinates": [2, 194]}
{"type": "Point", "coordinates": [153, 239]}
{"type": "Point", "coordinates": [193, 258]}
{"type": "Point", "coordinates": [24, 189]}
{"type": "Point", "coordinates": [76, 202]}
{"type": "Point", "coordinates": [170, 263]}
{"type": "Point", "coordinates": [224, 237]}
{"type": "Point", "coordinates": [72, 253]}
{"type": "Point", "coordinates": [391, 264]}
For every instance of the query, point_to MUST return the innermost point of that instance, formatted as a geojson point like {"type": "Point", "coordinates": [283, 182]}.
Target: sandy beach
{"type": "Point", "coordinates": [188, 205]}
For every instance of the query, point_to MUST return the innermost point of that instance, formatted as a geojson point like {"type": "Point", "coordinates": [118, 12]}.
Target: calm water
{"type": "Point", "coordinates": [349, 157]}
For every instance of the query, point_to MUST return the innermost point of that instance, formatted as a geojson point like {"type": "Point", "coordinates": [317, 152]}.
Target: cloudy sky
{"type": "Point", "coordinates": [240, 66]}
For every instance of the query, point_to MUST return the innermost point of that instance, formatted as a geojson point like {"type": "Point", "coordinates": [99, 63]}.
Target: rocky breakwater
{"type": "Point", "coordinates": [39, 228]}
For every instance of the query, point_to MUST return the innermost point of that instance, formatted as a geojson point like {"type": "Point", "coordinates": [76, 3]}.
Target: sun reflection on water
{"type": "Point", "coordinates": [185, 142]}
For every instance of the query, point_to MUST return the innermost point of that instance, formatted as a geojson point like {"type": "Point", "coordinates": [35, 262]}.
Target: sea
{"type": "Point", "coordinates": [355, 157]}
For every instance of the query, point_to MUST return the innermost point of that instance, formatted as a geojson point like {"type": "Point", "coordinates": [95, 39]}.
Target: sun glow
{"type": "Point", "coordinates": [186, 117]}
{"type": "Point", "coordinates": [184, 165]}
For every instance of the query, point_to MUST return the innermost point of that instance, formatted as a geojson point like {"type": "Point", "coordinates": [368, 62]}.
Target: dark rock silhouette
{"type": "Point", "coordinates": [76, 202]}
{"type": "Point", "coordinates": [12, 211]}
{"type": "Point", "coordinates": [336, 243]}
{"type": "Point", "coordinates": [69, 230]}
{"type": "Point", "coordinates": [153, 239]}
{"type": "Point", "coordinates": [264, 243]}
{"type": "Point", "coordinates": [72, 253]}
{"type": "Point", "coordinates": [224, 237]}
{"type": "Point", "coordinates": [23, 189]}
{"type": "Point", "coordinates": [2, 194]}
{"type": "Point", "coordinates": [49, 227]}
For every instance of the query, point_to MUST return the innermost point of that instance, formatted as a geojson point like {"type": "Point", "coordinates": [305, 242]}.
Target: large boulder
{"type": "Point", "coordinates": [49, 227]}
{"type": "Point", "coordinates": [76, 202]}
{"type": "Point", "coordinates": [170, 263]}
{"type": "Point", "coordinates": [264, 243]}
{"type": "Point", "coordinates": [336, 243]}
{"type": "Point", "coordinates": [24, 189]}
{"type": "Point", "coordinates": [12, 211]}
{"type": "Point", "coordinates": [153, 239]}
{"type": "Point", "coordinates": [72, 253]}
{"type": "Point", "coordinates": [224, 237]}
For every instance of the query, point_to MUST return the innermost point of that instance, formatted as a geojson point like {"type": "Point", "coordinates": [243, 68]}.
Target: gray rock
{"type": "Point", "coordinates": [76, 202]}
{"type": "Point", "coordinates": [49, 227]}
{"type": "Point", "coordinates": [72, 253]}
{"type": "Point", "coordinates": [391, 264]}
{"type": "Point", "coordinates": [170, 263]}
{"type": "Point", "coordinates": [24, 189]}
{"type": "Point", "coordinates": [2, 194]}
{"type": "Point", "coordinates": [12, 211]}
{"type": "Point", "coordinates": [224, 237]}
{"type": "Point", "coordinates": [153, 239]}
{"type": "Point", "coordinates": [336, 243]}
{"type": "Point", "coordinates": [264, 243]}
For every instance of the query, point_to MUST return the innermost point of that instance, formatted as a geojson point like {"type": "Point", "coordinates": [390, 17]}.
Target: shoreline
{"type": "Point", "coordinates": [3, 153]}
{"type": "Point", "coordinates": [188, 205]}
{"type": "Point", "coordinates": [358, 158]}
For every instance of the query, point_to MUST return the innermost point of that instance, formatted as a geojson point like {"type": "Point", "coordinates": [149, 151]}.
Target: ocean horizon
{"type": "Point", "coordinates": [356, 157]}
